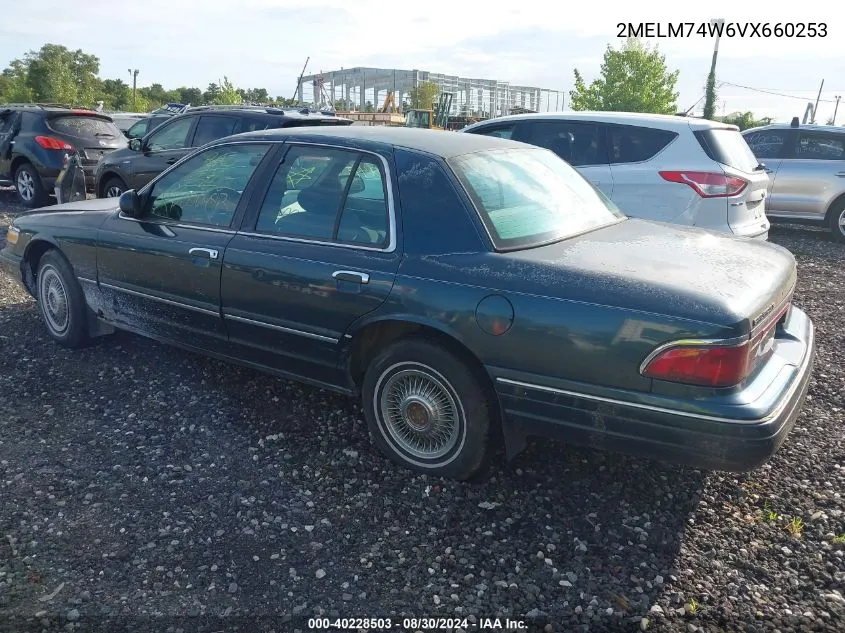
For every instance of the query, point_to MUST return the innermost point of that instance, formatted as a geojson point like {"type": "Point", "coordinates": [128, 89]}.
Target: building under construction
{"type": "Point", "coordinates": [363, 88]}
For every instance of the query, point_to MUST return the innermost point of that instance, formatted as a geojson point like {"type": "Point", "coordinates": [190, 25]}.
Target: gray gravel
{"type": "Point", "coordinates": [144, 488]}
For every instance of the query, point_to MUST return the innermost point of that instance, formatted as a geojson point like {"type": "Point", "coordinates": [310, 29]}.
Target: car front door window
{"type": "Point", "coordinates": [173, 136]}
{"type": "Point", "coordinates": [207, 188]}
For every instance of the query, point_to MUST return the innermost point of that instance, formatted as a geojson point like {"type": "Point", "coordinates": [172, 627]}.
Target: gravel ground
{"type": "Point", "coordinates": [144, 488]}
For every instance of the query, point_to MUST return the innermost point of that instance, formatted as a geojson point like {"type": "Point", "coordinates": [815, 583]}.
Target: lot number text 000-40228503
{"type": "Point", "coordinates": [721, 29]}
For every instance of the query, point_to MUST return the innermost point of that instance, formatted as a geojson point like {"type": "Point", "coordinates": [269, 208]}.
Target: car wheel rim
{"type": "Point", "coordinates": [114, 191]}
{"type": "Point", "coordinates": [420, 413]}
{"type": "Point", "coordinates": [53, 298]}
{"type": "Point", "coordinates": [26, 186]}
{"type": "Point", "coordinates": [842, 222]}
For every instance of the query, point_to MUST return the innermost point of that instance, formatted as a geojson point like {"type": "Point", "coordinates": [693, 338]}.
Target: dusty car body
{"type": "Point", "coordinates": [477, 283]}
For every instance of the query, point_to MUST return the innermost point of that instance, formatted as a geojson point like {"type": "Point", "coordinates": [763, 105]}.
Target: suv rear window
{"type": "Point", "coordinates": [727, 147]}
{"type": "Point", "coordinates": [83, 126]}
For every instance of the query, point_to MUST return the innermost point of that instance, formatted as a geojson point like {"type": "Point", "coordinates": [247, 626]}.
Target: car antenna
{"type": "Point", "coordinates": [795, 122]}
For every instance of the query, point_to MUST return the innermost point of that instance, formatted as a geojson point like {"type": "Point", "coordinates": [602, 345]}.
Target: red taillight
{"type": "Point", "coordinates": [709, 365]}
{"type": "Point", "coordinates": [48, 142]}
{"type": "Point", "coordinates": [707, 184]}
{"type": "Point", "coordinates": [705, 365]}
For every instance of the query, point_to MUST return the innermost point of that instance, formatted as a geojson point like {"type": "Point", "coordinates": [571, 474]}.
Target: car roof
{"type": "Point", "coordinates": [438, 142]}
{"type": "Point", "coordinates": [663, 121]}
{"type": "Point", "coordinates": [834, 129]}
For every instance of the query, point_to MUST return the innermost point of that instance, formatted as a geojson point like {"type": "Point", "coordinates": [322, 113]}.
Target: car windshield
{"type": "Point", "coordinates": [529, 197]}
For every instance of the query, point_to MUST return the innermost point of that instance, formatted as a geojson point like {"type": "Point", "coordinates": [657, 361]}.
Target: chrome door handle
{"type": "Point", "coordinates": [351, 275]}
{"type": "Point", "coordinates": [210, 252]}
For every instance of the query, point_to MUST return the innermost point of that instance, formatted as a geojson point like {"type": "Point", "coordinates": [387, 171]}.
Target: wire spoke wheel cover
{"type": "Point", "coordinates": [53, 297]}
{"type": "Point", "coordinates": [420, 413]}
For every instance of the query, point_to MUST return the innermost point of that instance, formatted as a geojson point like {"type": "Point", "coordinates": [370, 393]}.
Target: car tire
{"type": "Point", "coordinates": [836, 222]}
{"type": "Point", "coordinates": [28, 186]}
{"type": "Point", "coordinates": [61, 301]}
{"type": "Point", "coordinates": [441, 415]}
{"type": "Point", "coordinates": [114, 184]}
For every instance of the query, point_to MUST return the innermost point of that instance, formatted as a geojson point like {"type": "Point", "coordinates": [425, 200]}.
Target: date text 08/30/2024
{"type": "Point", "coordinates": [415, 624]}
{"type": "Point", "coordinates": [721, 29]}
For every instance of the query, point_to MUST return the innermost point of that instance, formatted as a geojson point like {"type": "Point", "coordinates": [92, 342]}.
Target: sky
{"type": "Point", "coordinates": [264, 43]}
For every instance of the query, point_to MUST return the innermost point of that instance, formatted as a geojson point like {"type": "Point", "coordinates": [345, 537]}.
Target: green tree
{"type": "Point", "coordinates": [744, 120]}
{"type": "Point", "coordinates": [116, 94]}
{"type": "Point", "coordinates": [189, 95]}
{"type": "Point", "coordinates": [228, 95]}
{"type": "Point", "coordinates": [423, 95]}
{"type": "Point", "coordinates": [710, 97]}
{"type": "Point", "coordinates": [57, 74]}
{"type": "Point", "coordinates": [211, 94]}
{"type": "Point", "coordinates": [634, 78]}
{"type": "Point", "coordinates": [14, 87]}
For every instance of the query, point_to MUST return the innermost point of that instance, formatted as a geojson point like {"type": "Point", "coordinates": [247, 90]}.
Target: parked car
{"type": "Point", "coordinates": [457, 283]}
{"type": "Point", "coordinates": [674, 169]}
{"type": "Point", "coordinates": [35, 138]}
{"type": "Point", "coordinates": [145, 158]}
{"type": "Point", "coordinates": [144, 126]}
{"type": "Point", "coordinates": [806, 167]}
{"type": "Point", "coordinates": [125, 120]}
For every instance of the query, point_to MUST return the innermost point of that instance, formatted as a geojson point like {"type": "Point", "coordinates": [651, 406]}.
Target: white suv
{"type": "Point", "coordinates": [657, 167]}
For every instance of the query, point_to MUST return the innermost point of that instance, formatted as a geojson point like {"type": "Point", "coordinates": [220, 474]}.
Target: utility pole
{"type": "Point", "coordinates": [134, 75]}
{"type": "Point", "coordinates": [710, 101]}
{"type": "Point", "coordinates": [298, 92]}
{"type": "Point", "coordinates": [817, 102]}
{"type": "Point", "coordinates": [835, 109]}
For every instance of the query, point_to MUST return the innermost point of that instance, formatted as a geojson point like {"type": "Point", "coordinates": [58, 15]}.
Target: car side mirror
{"type": "Point", "coordinates": [357, 185]}
{"type": "Point", "coordinates": [135, 144]}
{"type": "Point", "coordinates": [130, 203]}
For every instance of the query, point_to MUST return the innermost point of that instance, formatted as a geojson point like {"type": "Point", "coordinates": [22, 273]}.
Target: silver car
{"type": "Point", "coordinates": [806, 166]}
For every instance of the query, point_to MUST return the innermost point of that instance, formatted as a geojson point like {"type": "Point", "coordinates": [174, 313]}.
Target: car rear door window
{"type": "Point", "coordinates": [327, 195]}
{"type": "Point", "coordinates": [766, 143]}
{"type": "Point", "coordinates": [579, 144]}
{"type": "Point", "coordinates": [211, 128]}
{"type": "Point", "coordinates": [206, 188]}
{"type": "Point", "coordinates": [820, 146]}
{"type": "Point", "coordinates": [636, 144]}
{"type": "Point", "coordinates": [173, 135]}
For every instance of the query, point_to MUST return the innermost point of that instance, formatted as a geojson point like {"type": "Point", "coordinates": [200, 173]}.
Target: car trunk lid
{"type": "Point", "coordinates": [653, 266]}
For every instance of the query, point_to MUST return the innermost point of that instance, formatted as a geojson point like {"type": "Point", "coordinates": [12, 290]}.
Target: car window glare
{"type": "Point", "coordinates": [529, 197]}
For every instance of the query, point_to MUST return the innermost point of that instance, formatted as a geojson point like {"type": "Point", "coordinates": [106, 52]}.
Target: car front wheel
{"type": "Point", "coordinates": [60, 301]}
{"type": "Point", "coordinates": [427, 409]}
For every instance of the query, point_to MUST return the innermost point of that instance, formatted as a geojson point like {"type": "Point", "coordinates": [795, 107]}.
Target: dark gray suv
{"type": "Point", "coordinates": [146, 157]}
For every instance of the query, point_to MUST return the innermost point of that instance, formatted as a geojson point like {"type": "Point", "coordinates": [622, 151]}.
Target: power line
{"type": "Point", "coordinates": [774, 93]}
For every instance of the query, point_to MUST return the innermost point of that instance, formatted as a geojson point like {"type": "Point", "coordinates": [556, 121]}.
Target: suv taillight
{"type": "Point", "coordinates": [48, 142]}
{"type": "Point", "coordinates": [713, 365]}
{"type": "Point", "coordinates": [707, 184]}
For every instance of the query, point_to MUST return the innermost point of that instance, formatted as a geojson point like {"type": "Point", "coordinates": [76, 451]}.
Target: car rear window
{"type": "Point", "coordinates": [83, 126]}
{"type": "Point", "coordinates": [727, 147]}
{"type": "Point", "coordinates": [529, 197]}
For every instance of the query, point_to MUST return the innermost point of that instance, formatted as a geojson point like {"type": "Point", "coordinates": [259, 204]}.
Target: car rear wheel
{"type": "Point", "coordinates": [114, 187]}
{"type": "Point", "coordinates": [29, 188]}
{"type": "Point", "coordinates": [427, 410]}
{"type": "Point", "coordinates": [60, 301]}
{"type": "Point", "coordinates": [837, 223]}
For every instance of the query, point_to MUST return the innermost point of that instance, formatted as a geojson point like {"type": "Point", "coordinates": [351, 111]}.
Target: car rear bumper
{"type": "Point", "coordinates": [703, 433]}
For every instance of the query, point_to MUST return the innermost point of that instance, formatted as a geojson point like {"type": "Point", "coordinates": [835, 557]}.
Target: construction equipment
{"type": "Point", "coordinates": [436, 119]}
{"type": "Point", "coordinates": [389, 103]}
